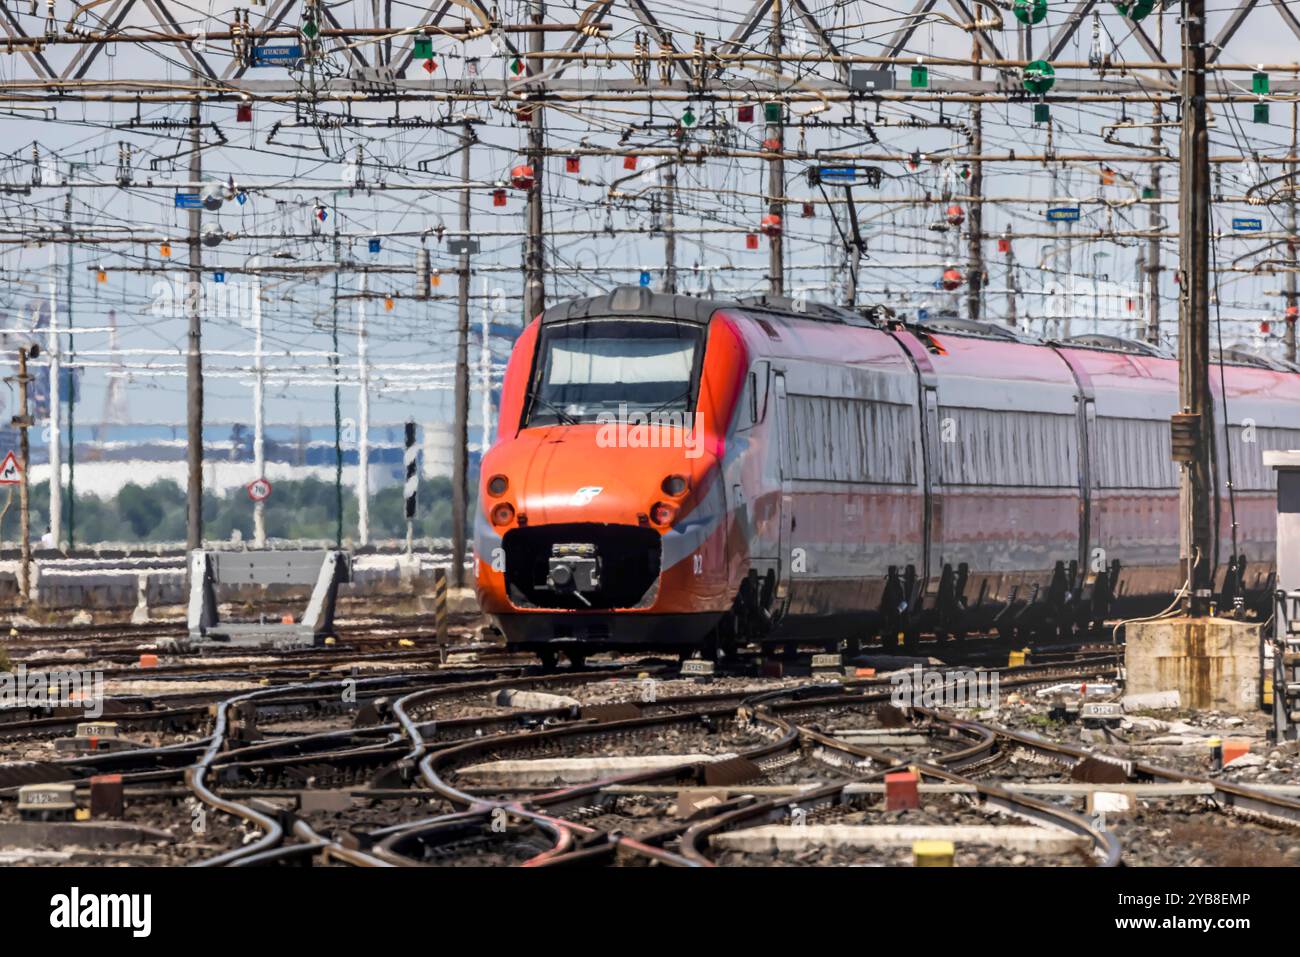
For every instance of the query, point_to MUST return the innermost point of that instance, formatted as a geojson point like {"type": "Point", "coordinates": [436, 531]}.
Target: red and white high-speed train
{"type": "Point", "coordinates": [675, 473]}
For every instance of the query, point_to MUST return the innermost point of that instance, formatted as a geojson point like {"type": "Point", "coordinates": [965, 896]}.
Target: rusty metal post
{"type": "Point", "coordinates": [975, 219]}
{"type": "Point", "coordinates": [194, 353]}
{"type": "Point", "coordinates": [1197, 491]}
{"type": "Point", "coordinates": [1290, 316]}
{"type": "Point", "coordinates": [776, 175]}
{"type": "Point", "coordinates": [534, 250]}
{"type": "Point", "coordinates": [1155, 221]}
{"type": "Point", "coordinates": [23, 420]}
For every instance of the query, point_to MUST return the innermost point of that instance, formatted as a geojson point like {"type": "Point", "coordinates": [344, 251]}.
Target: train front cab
{"type": "Point", "coordinates": [602, 518]}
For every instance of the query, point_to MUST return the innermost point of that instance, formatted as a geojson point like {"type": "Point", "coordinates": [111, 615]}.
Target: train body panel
{"type": "Point", "coordinates": [673, 471]}
{"type": "Point", "coordinates": [827, 440]}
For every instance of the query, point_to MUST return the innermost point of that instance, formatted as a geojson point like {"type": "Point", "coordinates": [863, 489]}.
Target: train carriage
{"type": "Point", "coordinates": [678, 473]}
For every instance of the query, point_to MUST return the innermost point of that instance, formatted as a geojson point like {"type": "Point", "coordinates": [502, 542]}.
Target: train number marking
{"type": "Point", "coordinates": [584, 495]}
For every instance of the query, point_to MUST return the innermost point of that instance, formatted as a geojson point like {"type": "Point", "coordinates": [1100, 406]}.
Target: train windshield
{"type": "Point", "coordinates": [612, 366]}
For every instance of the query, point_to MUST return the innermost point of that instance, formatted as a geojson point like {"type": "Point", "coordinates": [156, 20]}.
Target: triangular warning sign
{"type": "Point", "coordinates": [10, 473]}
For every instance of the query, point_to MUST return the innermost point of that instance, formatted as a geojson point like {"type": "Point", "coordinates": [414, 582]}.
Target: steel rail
{"type": "Point", "coordinates": [1238, 797]}
{"type": "Point", "coordinates": [1104, 844]}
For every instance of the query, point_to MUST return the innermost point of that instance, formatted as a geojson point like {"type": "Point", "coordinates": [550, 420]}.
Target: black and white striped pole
{"type": "Point", "coordinates": [411, 456]}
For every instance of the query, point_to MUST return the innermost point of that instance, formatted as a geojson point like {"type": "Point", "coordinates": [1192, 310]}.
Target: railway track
{"type": "Point", "coordinates": [329, 760]}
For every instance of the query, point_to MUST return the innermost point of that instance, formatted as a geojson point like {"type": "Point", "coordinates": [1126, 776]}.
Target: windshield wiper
{"type": "Point", "coordinates": [560, 414]}
{"type": "Point", "coordinates": [667, 402]}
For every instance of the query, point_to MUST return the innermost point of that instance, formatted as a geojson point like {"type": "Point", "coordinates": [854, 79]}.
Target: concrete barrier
{"type": "Point", "coordinates": [1213, 663]}
{"type": "Point", "coordinates": [113, 587]}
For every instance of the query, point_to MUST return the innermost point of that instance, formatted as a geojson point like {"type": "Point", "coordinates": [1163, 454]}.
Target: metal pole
{"type": "Point", "coordinates": [670, 230]}
{"type": "Point", "coordinates": [776, 176]}
{"type": "Point", "coordinates": [72, 398]}
{"type": "Point", "coordinates": [1011, 280]}
{"type": "Point", "coordinates": [534, 251]}
{"type": "Point", "coordinates": [852, 262]}
{"type": "Point", "coordinates": [1293, 244]}
{"type": "Point", "coordinates": [460, 441]}
{"type": "Point", "coordinates": [1096, 294]}
{"type": "Point", "coordinates": [1154, 221]}
{"type": "Point", "coordinates": [194, 355]}
{"type": "Point", "coordinates": [24, 421]}
{"type": "Point", "coordinates": [485, 358]}
{"type": "Point", "coordinates": [1044, 302]}
{"type": "Point", "coordinates": [259, 414]}
{"type": "Point", "coordinates": [975, 271]}
{"type": "Point", "coordinates": [411, 482]}
{"type": "Point", "coordinates": [338, 404]}
{"type": "Point", "coordinates": [54, 445]}
{"type": "Point", "coordinates": [1197, 487]}
{"type": "Point", "coordinates": [853, 251]}
{"type": "Point", "coordinates": [363, 427]}
{"type": "Point", "coordinates": [1072, 300]}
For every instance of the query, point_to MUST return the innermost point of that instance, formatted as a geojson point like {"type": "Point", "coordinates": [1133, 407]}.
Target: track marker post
{"type": "Point", "coordinates": [440, 610]}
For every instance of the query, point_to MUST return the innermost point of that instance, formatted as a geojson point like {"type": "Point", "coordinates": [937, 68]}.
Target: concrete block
{"type": "Point", "coordinates": [1213, 663]}
{"type": "Point", "coordinates": [531, 700]}
{"type": "Point", "coordinates": [330, 802]}
{"type": "Point", "coordinates": [1246, 760]}
{"type": "Point", "coordinates": [901, 792]}
{"type": "Point", "coordinates": [698, 802]}
{"type": "Point", "coordinates": [1153, 701]}
{"type": "Point", "coordinates": [547, 771]}
{"type": "Point", "coordinates": [462, 601]}
{"type": "Point", "coordinates": [875, 737]}
{"type": "Point", "coordinates": [801, 837]}
{"type": "Point", "coordinates": [1110, 803]}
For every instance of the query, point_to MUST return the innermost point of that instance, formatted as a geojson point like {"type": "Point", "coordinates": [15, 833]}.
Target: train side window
{"type": "Point", "coordinates": [757, 392]}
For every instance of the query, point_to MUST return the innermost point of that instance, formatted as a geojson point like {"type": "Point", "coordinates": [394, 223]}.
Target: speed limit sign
{"type": "Point", "coordinates": [259, 490]}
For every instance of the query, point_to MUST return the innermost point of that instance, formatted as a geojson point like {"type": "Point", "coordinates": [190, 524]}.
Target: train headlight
{"type": "Point", "coordinates": [674, 485]}
{"type": "Point", "coordinates": [497, 485]}
{"type": "Point", "coordinates": [503, 513]}
{"type": "Point", "coordinates": [661, 513]}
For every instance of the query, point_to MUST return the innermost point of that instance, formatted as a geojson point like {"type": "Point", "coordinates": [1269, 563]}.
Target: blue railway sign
{"type": "Point", "coordinates": [845, 176]}
{"type": "Point", "coordinates": [279, 55]}
{"type": "Point", "coordinates": [1063, 214]}
{"type": "Point", "coordinates": [1247, 224]}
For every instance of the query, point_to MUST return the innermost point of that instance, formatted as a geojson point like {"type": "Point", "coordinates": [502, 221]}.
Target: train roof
{"type": "Point", "coordinates": [635, 301]}
{"type": "Point", "coordinates": [1133, 347]}
{"type": "Point", "coordinates": [640, 301]}
{"type": "Point", "coordinates": [973, 328]}
{"type": "Point", "coordinates": [644, 302]}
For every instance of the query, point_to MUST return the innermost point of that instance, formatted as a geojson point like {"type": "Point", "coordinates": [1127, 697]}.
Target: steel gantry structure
{"type": "Point", "coordinates": [834, 138]}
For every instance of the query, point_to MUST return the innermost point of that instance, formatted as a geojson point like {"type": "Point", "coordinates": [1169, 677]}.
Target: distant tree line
{"type": "Point", "coordinates": [304, 508]}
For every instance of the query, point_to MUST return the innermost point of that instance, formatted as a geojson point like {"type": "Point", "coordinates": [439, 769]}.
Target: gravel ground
{"type": "Point", "coordinates": [38, 749]}
{"type": "Point", "coordinates": [942, 811]}
{"type": "Point", "coordinates": [632, 814]}
{"type": "Point", "coordinates": [647, 688]}
{"type": "Point", "coordinates": [1182, 831]}
{"type": "Point", "coordinates": [1189, 832]}
{"type": "Point", "coordinates": [1179, 740]}
{"type": "Point", "coordinates": [365, 816]}
{"type": "Point", "coordinates": [220, 833]}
